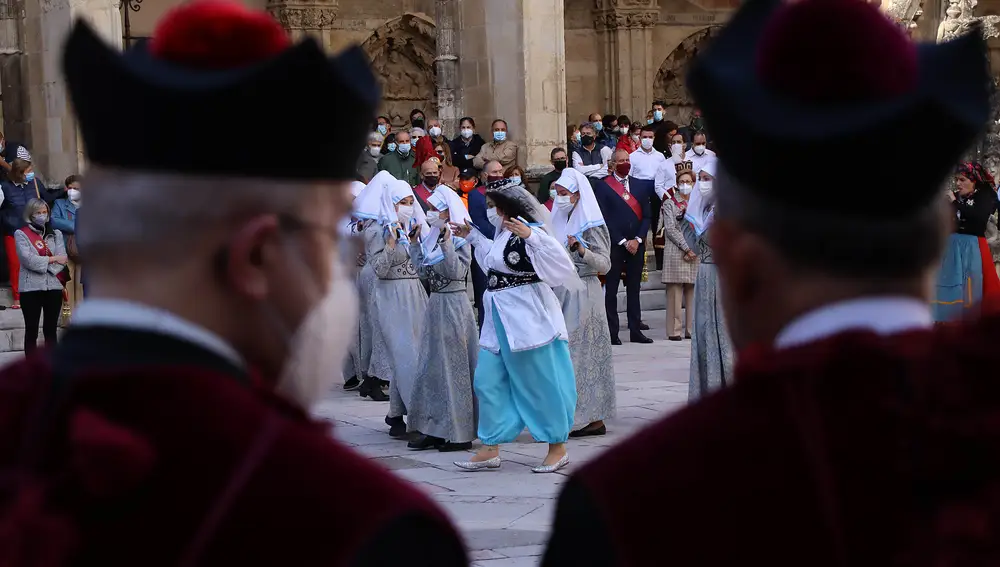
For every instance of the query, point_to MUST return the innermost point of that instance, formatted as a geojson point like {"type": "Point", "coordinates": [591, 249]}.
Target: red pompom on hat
{"type": "Point", "coordinates": [217, 34]}
{"type": "Point", "coordinates": [836, 51]}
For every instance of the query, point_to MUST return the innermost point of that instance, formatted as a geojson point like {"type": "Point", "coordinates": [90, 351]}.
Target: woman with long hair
{"type": "Point", "coordinates": [524, 374]}
{"type": "Point", "coordinates": [711, 348]}
{"type": "Point", "coordinates": [579, 226]}
{"type": "Point", "coordinates": [449, 173]}
{"type": "Point", "coordinates": [967, 277]}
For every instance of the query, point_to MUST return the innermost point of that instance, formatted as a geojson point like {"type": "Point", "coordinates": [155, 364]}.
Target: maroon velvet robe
{"type": "Point", "coordinates": [132, 448]}
{"type": "Point", "coordinates": [852, 450]}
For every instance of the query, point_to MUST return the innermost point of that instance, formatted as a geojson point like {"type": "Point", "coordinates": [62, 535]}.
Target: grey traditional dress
{"type": "Point", "coordinates": [361, 351]}
{"type": "Point", "coordinates": [587, 323]}
{"type": "Point", "coordinates": [442, 404]}
{"type": "Point", "coordinates": [675, 269]}
{"type": "Point", "coordinates": [396, 312]}
{"type": "Point", "coordinates": [711, 350]}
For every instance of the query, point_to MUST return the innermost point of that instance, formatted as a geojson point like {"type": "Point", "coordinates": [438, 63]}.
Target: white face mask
{"type": "Point", "coordinates": [635, 138]}
{"type": "Point", "coordinates": [467, 133]}
{"type": "Point", "coordinates": [705, 187]}
{"type": "Point", "coordinates": [647, 144]}
{"type": "Point", "coordinates": [435, 131]}
{"type": "Point", "coordinates": [375, 151]}
{"type": "Point", "coordinates": [494, 217]}
{"type": "Point", "coordinates": [436, 219]}
{"type": "Point", "coordinates": [564, 202]}
{"type": "Point", "coordinates": [685, 188]}
{"type": "Point", "coordinates": [699, 149]}
{"type": "Point", "coordinates": [321, 340]}
{"type": "Point", "coordinates": [74, 194]}
{"type": "Point", "coordinates": [404, 213]}
{"type": "Point", "coordinates": [676, 149]}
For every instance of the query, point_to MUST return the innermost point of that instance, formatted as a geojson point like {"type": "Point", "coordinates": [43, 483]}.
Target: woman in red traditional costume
{"type": "Point", "coordinates": [967, 277]}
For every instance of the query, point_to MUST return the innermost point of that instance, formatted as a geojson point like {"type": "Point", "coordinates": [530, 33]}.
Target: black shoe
{"type": "Point", "coordinates": [589, 432]}
{"type": "Point", "coordinates": [676, 338]}
{"type": "Point", "coordinates": [616, 341]}
{"type": "Point", "coordinates": [450, 447]}
{"type": "Point", "coordinates": [370, 389]}
{"type": "Point", "coordinates": [687, 336]}
{"type": "Point", "coordinates": [643, 326]}
{"type": "Point", "coordinates": [397, 427]}
{"type": "Point", "coordinates": [424, 442]}
{"type": "Point", "coordinates": [384, 384]}
{"type": "Point", "coordinates": [352, 383]}
{"type": "Point", "coordinates": [640, 338]}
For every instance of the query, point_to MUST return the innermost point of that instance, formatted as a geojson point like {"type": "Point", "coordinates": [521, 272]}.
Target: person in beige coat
{"type": "Point", "coordinates": [499, 149]}
{"type": "Point", "coordinates": [680, 263]}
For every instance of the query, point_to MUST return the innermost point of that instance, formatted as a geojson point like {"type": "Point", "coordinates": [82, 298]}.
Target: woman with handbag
{"type": "Point", "coordinates": [64, 220]}
{"type": "Point", "coordinates": [43, 273]}
{"type": "Point", "coordinates": [18, 188]}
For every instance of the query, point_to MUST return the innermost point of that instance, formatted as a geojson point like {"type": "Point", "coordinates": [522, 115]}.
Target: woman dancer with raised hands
{"type": "Point", "coordinates": [524, 375]}
{"type": "Point", "coordinates": [579, 226]}
{"type": "Point", "coordinates": [398, 300]}
{"type": "Point", "coordinates": [442, 406]}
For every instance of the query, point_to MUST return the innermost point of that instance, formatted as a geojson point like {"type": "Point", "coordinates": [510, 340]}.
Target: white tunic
{"type": "Point", "coordinates": [531, 314]}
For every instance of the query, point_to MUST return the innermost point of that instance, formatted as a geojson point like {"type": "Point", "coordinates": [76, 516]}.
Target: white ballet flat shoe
{"type": "Point", "coordinates": [474, 466]}
{"type": "Point", "coordinates": [542, 469]}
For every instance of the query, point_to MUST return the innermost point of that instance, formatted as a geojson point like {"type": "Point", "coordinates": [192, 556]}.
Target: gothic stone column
{"type": "Point", "coordinates": [305, 17]}
{"type": "Point", "coordinates": [513, 66]}
{"type": "Point", "coordinates": [54, 138]}
{"type": "Point", "coordinates": [625, 30]}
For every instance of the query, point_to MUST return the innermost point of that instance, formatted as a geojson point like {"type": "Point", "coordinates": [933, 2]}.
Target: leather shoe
{"type": "Point", "coordinates": [643, 326]}
{"type": "Point", "coordinates": [450, 447]}
{"type": "Point", "coordinates": [640, 338]}
{"type": "Point", "coordinates": [370, 389]}
{"type": "Point", "coordinates": [616, 341]}
{"type": "Point", "coordinates": [588, 432]}
{"type": "Point", "coordinates": [675, 338]}
{"type": "Point", "coordinates": [425, 442]}
{"type": "Point", "coordinates": [397, 427]}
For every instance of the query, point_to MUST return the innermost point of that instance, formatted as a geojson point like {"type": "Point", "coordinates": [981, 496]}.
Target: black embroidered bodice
{"type": "Point", "coordinates": [515, 256]}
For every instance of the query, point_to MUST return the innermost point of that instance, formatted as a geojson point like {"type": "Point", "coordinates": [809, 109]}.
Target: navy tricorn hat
{"type": "Point", "coordinates": [824, 83]}
{"type": "Point", "coordinates": [214, 92]}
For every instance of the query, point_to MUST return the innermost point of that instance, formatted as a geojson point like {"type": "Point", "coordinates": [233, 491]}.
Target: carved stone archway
{"type": "Point", "coordinates": [669, 85]}
{"type": "Point", "coordinates": [402, 51]}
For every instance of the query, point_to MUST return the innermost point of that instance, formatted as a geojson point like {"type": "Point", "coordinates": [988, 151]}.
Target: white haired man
{"type": "Point", "coordinates": [367, 165]}
{"type": "Point", "coordinates": [172, 417]}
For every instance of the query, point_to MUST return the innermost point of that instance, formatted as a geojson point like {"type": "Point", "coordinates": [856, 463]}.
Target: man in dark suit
{"type": "Point", "coordinates": [492, 171]}
{"type": "Point", "coordinates": [624, 202]}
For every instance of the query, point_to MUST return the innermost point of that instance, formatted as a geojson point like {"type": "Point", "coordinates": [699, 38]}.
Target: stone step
{"type": "Point", "coordinates": [12, 332]}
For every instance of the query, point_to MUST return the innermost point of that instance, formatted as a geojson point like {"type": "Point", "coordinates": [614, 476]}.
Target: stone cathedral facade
{"type": "Point", "coordinates": [539, 64]}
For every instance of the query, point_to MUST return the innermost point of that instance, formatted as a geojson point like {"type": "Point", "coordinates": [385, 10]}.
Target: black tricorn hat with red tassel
{"type": "Point", "coordinates": [824, 83]}
{"type": "Point", "coordinates": [214, 92]}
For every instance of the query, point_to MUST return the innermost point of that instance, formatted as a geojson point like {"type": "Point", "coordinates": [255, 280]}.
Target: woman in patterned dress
{"type": "Point", "coordinates": [577, 223]}
{"type": "Point", "coordinates": [442, 407]}
{"type": "Point", "coordinates": [398, 300]}
{"type": "Point", "coordinates": [680, 262]}
{"type": "Point", "coordinates": [711, 349]}
{"type": "Point", "coordinates": [524, 374]}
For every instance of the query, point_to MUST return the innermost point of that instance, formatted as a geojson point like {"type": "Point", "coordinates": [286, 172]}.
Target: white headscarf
{"type": "Point", "coordinates": [586, 214]}
{"type": "Point", "coordinates": [356, 188]}
{"type": "Point", "coordinates": [444, 198]}
{"type": "Point", "coordinates": [700, 211]}
{"type": "Point", "coordinates": [368, 204]}
{"type": "Point", "coordinates": [397, 191]}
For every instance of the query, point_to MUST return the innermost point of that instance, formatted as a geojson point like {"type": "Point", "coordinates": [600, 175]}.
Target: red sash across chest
{"type": "Point", "coordinates": [37, 241]}
{"type": "Point", "coordinates": [421, 191]}
{"type": "Point", "coordinates": [629, 199]}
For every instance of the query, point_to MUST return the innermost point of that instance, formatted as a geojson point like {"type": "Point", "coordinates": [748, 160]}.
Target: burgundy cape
{"type": "Point", "coordinates": [132, 448]}
{"type": "Point", "coordinates": [852, 450]}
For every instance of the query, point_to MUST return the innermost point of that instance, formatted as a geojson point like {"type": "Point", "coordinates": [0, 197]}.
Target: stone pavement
{"type": "Point", "coordinates": [506, 515]}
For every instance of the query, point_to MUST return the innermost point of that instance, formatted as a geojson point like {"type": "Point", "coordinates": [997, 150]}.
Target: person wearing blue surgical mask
{"type": "Point", "coordinates": [383, 126]}
{"type": "Point", "coordinates": [399, 162]}
{"type": "Point", "coordinates": [19, 187]}
{"type": "Point", "coordinates": [658, 111]}
{"type": "Point", "coordinates": [500, 148]}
